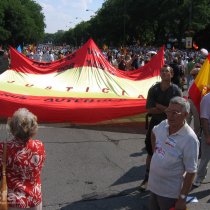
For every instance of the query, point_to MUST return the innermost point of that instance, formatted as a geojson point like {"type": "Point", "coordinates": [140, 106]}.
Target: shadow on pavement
{"type": "Point", "coordinates": [134, 128]}
{"type": "Point", "coordinates": [133, 175]}
{"type": "Point", "coordinates": [138, 154]}
{"type": "Point", "coordinates": [202, 194]}
{"type": "Point", "coordinates": [127, 199]}
{"type": "Point", "coordinates": [114, 199]}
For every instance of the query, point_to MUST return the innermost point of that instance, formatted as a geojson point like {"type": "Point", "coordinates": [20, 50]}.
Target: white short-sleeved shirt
{"type": "Point", "coordinates": [173, 156]}
{"type": "Point", "coordinates": [204, 108]}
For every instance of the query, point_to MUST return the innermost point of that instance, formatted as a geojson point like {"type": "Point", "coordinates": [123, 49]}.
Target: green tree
{"type": "Point", "coordinates": [21, 22]}
{"type": "Point", "coordinates": [118, 22]}
{"type": "Point", "coordinates": [121, 22]}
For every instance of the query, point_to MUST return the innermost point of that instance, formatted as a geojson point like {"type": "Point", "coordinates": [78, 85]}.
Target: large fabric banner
{"type": "Point", "coordinates": [201, 85]}
{"type": "Point", "coordinates": [80, 88]}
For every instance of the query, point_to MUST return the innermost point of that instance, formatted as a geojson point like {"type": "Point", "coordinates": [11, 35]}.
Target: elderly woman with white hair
{"type": "Point", "coordinates": [24, 162]}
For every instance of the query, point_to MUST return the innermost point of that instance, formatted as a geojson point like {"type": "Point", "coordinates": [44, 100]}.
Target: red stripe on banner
{"type": "Point", "coordinates": [89, 55]}
{"type": "Point", "coordinates": [77, 110]}
{"type": "Point", "coordinates": [195, 95]}
{"type": "Point", "coordinates": [72, 110]}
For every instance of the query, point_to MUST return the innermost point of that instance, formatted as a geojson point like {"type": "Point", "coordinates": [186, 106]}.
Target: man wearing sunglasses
{"type": "Point", "coordinates": [175, 158]}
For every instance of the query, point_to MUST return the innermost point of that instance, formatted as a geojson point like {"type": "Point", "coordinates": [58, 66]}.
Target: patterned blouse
{"type": "Point", "coordinates": [24, 165]}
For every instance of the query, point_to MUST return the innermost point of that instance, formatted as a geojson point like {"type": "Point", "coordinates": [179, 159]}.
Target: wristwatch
{"type": "Point", "coordinates": [183, 196]}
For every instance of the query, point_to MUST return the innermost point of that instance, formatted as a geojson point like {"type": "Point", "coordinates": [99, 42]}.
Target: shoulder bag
{"type": "Point", "coordinates": [3, 184]}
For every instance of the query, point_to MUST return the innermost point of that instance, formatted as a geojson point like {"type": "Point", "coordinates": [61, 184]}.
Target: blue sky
{"type": "Point", "coordinates": [65, 14]}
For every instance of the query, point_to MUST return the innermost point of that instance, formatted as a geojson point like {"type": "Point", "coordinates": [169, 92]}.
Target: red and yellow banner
{"type": "Point", "coordinates": [80, 88]}
{"type": "Point", "coordinates": [201, 85]}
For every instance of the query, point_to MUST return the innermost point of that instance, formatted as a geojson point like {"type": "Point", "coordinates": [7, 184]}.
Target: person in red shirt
{"type": "Point", "coordinates": [25, 158]}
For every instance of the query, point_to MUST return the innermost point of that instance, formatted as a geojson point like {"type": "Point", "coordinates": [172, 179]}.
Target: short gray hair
{"type": "Point", "coordinates": [23, 124]}
{"type": "Point", "coordinates": [182, 102]}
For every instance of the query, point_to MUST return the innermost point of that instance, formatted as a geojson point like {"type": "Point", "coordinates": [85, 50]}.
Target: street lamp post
{"type": "Point", "coordinates": [89, 10]}
{"type": "Point", "coordinates": [73, 33]}
{"type": "Point", "coordinates": [77, 18]}
{"type": "Point", "coordinates": [190, 14]}
{"type": "Point", "coordinates": [190, 31]}
{"type": "Point", "coordinates": [68, 24]}
{"type": "Point", "coordinates": [124, 12]}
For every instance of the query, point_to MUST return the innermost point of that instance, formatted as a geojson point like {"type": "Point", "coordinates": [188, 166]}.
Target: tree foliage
{"type": "Point", "coordinates": [21, 21]}
{"type": "Point", "coordinates": [118, 22]}
{"type": "Point", "coordinates": [121, 22]}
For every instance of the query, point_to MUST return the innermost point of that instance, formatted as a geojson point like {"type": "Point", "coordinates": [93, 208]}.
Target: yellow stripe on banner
{"type": "Point", "coordinates": [202, 81]}
{"type": "Point", "coordinates": [18, 89]}
{"type": "Point", "coordinates": [78, 82]}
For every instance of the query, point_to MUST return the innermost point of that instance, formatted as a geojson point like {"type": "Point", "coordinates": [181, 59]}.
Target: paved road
{"type": "Point", "coordinates": [98, 168]}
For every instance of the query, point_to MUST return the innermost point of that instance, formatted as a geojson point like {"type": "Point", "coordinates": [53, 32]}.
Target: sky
{"type": "Point", "coordinates": [65, 14]}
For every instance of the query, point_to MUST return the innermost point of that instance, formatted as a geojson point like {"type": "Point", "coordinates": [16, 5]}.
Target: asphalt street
{"type": "Point", "coordinates": [99, 168]}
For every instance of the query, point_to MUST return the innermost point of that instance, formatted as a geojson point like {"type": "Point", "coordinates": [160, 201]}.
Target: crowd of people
{"type": "Point", "coordinates": [47, 53]}
{"type": "Point", "coordinates": [124, 58]}
{"type": "Point", "coordinates": [129, 58]}
{"type": "Point", "coordinates": [172, 145]}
